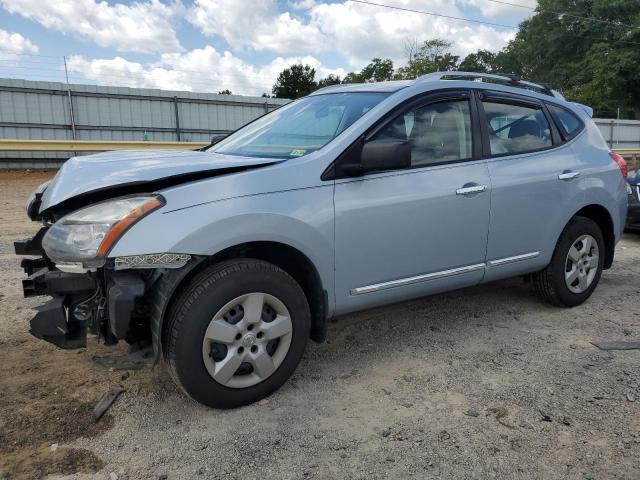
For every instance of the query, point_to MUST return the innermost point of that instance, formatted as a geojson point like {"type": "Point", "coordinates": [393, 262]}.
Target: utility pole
{"type": "Point", "coordinates": [73, 121]}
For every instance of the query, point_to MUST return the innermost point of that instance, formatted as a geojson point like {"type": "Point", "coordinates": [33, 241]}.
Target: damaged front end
{"type": "Point", "coordinates": [92, 292]}
{"type": "Point", "coordinates": [109, 301]}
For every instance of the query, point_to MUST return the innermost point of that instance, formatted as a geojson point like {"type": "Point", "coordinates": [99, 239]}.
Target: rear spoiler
{"type": "Point", "coordinates": [587, 109]}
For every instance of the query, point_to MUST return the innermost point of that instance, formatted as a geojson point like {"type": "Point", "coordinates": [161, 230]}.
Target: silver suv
{"type": "Point", "coordinates": [227, 260]}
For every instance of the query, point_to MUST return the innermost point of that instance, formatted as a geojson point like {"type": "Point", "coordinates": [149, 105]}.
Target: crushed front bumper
{"type": "Point", "coordinates": [103, 302]}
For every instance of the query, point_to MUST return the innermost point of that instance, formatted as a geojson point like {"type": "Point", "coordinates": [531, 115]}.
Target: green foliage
{"type": "Point", "coordinates": [589, 49]}
{"type": "Point", "coordinates": [431, 56]}
{"type": "Point", "coordinates": [295, 82]}
{"type": "Point", "coordinates": [330, 80]}
{"type": "Point", "coordinates": [482, 61]}
{"type": "Point", "coordinates": [226, 91]}
{"type": "Point", "coordinates": [377, 71]}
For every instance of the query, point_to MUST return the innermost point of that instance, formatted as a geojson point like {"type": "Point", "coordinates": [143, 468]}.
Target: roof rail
{"type": "Point", "coordinates": [506, 79]}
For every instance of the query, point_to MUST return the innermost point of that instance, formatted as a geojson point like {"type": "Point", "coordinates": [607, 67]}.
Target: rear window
{"type": "Point", "coordinates": [568, 123]}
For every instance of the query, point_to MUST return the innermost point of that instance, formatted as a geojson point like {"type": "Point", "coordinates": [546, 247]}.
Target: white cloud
{"type": "Point", "coordinates": [302, 4]}
{"type": "Point", "coordinates": [136, 27]}
{"type": "Point", "coordinates": [203, 70]}
{"type": "Point", "coordinates": [14, 44]}
{"type": "Point", "coordinates": [255, 24]}
{"type": "Point", "coordinates": [504, 11]}
{"type": "Point", "coordinates": [353, 30]}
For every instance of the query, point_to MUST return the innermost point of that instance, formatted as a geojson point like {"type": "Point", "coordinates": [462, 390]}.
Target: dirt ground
{"type": "Point", "coordinates": [480, 383]}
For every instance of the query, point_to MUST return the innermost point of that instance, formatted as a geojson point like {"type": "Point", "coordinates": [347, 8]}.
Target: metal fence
{"type": "Point", "coordinates": [620, 133]}
{"type": "Point", "coordinates": [52, 111]}
{"type": "Point", "coordinates": [32, 110]}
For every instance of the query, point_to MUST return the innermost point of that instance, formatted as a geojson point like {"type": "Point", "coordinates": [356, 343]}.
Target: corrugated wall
{"type": "Point", "coordinates": [620, 133]}
{"type": "Point", "coordinates": [40, 110]}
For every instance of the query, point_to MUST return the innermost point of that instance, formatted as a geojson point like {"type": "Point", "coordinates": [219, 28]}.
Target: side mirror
{"type": "Point", "coordinates": [214, 139]}
{"type": "Point", "coordinates": [382, 154]}
{"type": "Point", "coordinates": [218, 138]}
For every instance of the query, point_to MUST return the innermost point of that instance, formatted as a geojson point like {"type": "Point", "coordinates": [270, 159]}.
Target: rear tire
{"type": "Point", "coordinates": [245, 322]}
{"type": "Point", "coordinates": [576, 265]}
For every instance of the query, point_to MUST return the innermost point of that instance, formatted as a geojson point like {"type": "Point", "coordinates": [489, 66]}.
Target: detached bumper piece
{"type": "Point", "coordinates": [107, 302]}
{"type": "Point", "coordinates": [53, 321]}
{"type": "Point", "coordinates": [31, 246]}
{"type": "Point", "coordinates": [50, 324]}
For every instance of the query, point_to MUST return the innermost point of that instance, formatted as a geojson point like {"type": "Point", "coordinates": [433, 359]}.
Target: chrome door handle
{"type": "Point", "coordinates": [568, 175]}
{"type": "Point", "coordinates": [471, 190]}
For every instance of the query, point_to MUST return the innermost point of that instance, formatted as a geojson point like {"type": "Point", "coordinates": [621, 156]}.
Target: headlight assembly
{"type": "Point", "coordinates": [86, 235]}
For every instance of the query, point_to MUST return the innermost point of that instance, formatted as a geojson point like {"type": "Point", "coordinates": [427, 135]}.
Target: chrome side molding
{"type": "Point", "coordinates": [442, 274]}
{"type": "Point", "coordinates": [417, 279]}
{"type": "Point", "coordinates": [517, 258]}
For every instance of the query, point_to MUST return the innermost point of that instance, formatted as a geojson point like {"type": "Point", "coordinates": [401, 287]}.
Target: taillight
{"type": "Point", "coordinates": [622, 163]}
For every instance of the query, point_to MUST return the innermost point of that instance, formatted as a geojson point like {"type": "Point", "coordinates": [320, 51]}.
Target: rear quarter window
{"type": "Point", "coordinates": [567, 122]}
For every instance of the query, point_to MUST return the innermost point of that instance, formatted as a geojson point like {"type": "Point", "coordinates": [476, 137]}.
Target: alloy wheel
{"type": "Point", "coordinates": [581, 264]}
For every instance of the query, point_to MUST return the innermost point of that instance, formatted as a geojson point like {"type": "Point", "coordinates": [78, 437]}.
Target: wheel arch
{"type": "Point", "coordinates": [603, 219]}
{"type": "Point", "coordinates": [284, 256]}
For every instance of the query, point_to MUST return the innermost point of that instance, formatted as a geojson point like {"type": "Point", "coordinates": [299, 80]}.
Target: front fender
{"type": "Point", "coordinates": [302, 219]}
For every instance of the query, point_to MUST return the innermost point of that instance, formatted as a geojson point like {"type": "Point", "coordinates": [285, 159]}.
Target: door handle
{"type": "Point", "coordinates": [568, 175]}
{"type": "Point", "coordinates": [471, 190]}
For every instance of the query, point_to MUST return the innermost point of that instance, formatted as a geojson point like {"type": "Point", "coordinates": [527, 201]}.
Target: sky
{"type": "Point", "coordinates": [240, 45]}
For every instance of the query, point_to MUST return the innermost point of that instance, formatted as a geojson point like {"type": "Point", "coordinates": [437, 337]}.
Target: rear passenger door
{"type": "Point", "coordinates": [533, 179]}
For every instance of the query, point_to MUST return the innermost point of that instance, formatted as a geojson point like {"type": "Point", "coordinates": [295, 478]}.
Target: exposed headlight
{"type": "Point", "coordinates": [86, 235]}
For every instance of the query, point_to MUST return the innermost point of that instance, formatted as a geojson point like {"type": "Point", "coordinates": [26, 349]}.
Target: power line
{"type": "Point", "coordinates": [433, 14]}
{"type": "Point", "coordinates": [614, 41]}
{"type": "Point", "coordinates": [582, 17]}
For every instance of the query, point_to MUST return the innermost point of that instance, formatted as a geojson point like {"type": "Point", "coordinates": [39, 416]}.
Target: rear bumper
{"type": "Point", "coordinates": [102, 302]}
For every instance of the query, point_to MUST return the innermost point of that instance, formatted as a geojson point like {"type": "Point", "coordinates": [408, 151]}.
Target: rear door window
{"type": "Point", "coordinates": [514, 128]}
{"type": "Point", "coordinates": [568, 122]}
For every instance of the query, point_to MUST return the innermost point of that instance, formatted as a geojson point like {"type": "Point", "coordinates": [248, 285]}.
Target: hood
{"type": "Point", "coordinates": [134, 170]}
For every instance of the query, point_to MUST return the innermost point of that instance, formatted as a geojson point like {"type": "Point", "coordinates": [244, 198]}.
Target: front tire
{"type": "Point", "coordinates": [236, 332]}
{"type": "Point", "coordinates": [576, 265]}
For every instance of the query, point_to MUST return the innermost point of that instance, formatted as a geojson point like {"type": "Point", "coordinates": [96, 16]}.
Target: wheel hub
{"type": "Point", "coordinates": [247, 340]}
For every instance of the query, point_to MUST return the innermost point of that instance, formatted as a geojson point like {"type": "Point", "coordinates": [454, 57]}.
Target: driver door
{"type": "Point", "coordinates": [406, 233]}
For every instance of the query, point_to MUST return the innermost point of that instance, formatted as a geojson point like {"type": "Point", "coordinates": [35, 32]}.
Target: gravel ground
{"type": "Point", "coordinates": [480, 383]}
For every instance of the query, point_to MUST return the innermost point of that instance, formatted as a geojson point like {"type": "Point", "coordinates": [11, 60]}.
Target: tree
{"type": "Point", "coordinates": [482, 61]}
{"type": "Point", "coordinates": [377, 71]}
{"type": "Point", "coordinates": [330, 80]}
{"type": "Point", "coordinates": [295, 82]}
{"type": "Point", "coordinates": [590, 52]}
{"type": "Point", "coordinates": [432, 56]}
{"type": "Point", "coordinates": [226, 91]}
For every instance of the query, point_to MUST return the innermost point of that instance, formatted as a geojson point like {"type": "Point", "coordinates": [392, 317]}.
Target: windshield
{"type": "Point", "coordinates": [300, 127]}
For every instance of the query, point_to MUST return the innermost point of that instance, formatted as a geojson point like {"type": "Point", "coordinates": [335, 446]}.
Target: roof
{"type": "Point", "coordinates": [504, 80]}
{"type": "Point", "coordinates": [388, 87]}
